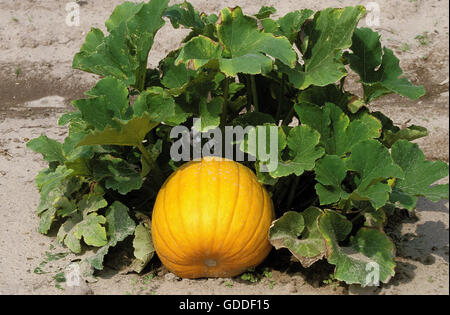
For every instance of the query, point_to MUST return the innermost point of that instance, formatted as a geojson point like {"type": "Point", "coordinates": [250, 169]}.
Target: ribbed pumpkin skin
{"type": "Point", "coordinates": [211, 219]}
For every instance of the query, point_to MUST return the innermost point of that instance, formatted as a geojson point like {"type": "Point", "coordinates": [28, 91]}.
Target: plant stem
{"type": "Point", "coordinates": [226, 89]}
{"type": "Point", "coordinates": [141, 74]}
{"type": "Point", "coordinates": [341, 84]}
{"type": "Point", "coordinates": [288, 117]}
{"type": "Point", "coordinates": [292, 192]}
{"type": "Point", "coordinates": [249, 93]}
{"type": "Point", "coordinates": [153, 165]}
{"type": "Point", "coordinates": [254, 94]}
{"type": "Point", "coordinates": [280, 98]}
{"type": "Point", "coordinates": [360, 214]}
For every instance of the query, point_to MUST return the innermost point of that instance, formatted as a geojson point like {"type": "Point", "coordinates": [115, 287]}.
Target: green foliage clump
{"type": "Point", "coordinates": [343, 169]}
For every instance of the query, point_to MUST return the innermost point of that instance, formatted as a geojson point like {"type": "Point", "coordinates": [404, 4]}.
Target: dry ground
{"type": "Point", "coordinates": [37, 85]}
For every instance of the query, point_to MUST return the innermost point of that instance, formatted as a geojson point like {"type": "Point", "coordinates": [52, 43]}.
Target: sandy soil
{"type": "Point", "coordinates": [37, 85]}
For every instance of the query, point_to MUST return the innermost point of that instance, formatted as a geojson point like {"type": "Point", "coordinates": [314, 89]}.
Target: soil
{"type": "Point", "coordinates": [37, 85]}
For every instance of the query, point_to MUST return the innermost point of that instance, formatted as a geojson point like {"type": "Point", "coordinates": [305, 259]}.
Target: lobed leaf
{"type": "Point", "coordinates": [419, 177]}
{"type": "Point", "coordinates": [327, 36]}
{"type": "Point", "coordinates": [119, 225]}
{"type": "Point", "coordinates": [374, 165]}
{"type": "Point", "coordinates": [243, 47]}
{"type": "Point", "coordinates": [330, 172]}
{"type": "Point", "coordinates": [117, 174]}
{"type": "Point", "coordinates": [123, 53]}
{"type": "Point", "coordinates": [338, 135]}
{"type": "Point", "coordinates": [108, 101]}
{"type": "Point", "coordinates": [369, 258]}
{"type": "Point", "coordinates": [51, 150]}
{"type": "Point", "coordinates": [143, 247]}
{"type": "Point", "coordinates": [131, 133]}
{"type": "Point", "coordinates": [285, 232]}
{"type": "Point", "coordinates": [378, 68]}
{"type": "Point", "coordinates": [304, 151]}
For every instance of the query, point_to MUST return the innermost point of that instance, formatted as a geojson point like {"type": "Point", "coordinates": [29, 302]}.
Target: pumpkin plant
{"type": "Point", "coordinates": [342, 169]}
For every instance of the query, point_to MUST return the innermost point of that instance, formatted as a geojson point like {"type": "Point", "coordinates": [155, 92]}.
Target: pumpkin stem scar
{"type": "Point", "coordinates": [210, 262]}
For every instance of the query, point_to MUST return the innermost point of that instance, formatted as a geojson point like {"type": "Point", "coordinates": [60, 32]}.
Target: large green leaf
{"type": "Point", "coordinates": [143, 247]}
{"type": "Point", "coordinates": [174, 76]}
{"type": "Point", "coordinates": [117, 173]}
{"type": "Point", "coordinates": [131, 133]}
{"type": "Point", "coordinates": [338, 135]}
{"type": "Point", "coordinates": [108, 100]}
{"type": "Point", "coordinates": [299, 233]}
{"type": "Point", "coordinates": [119, 225]}
{"type": "Point", "coordinates": [66, 233]}
{"type": "Point", "coordinates": [210, 114]}
{"type": "Point", "coordinates": [288, 25]}
{"type": "Point", "coordinates": [123, 53]}
{"type": "Point", "coordinates": [374, 165]}
{"type": "Point", "coordinates": [303, 147]}
{"type": "Point", "coordinates": [330, 172]}
{"type": "Point", "coordinates": [122, 13]}
{"type": "Point", "coordinates": [53, 186]}
{"type": "Point", "coordinates": [51, 150]}
{"type": "Point", "coordinates": [90, 228]}
{"type": "Point", "coordinates": [369, 258]}
{"type": "Point", "coordinates": [91, 203]}
{"type": "Point", "coordinates": [326, 37]}
{"type": "Point", "coordinates": [159, 106]}
{"type": "Point", "coordinates": [184, 14]}
{"type": "Point", "coordinates": [242, 47]}
{"type": "Point", "coordinates": [420, 175]}
{"type": "Point", "coordinates": [378, 68]}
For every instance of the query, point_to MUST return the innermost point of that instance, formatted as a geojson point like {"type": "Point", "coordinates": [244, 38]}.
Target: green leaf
{"type": "Point", "coordinates": [375, 218]}
{"type": "Point", "coordinates": [330, 172]}
{"type": "Point", "coordinates": [327, 36]}
{"type": "Point", "coordinates": [261, 134]}
{"type": "Point", "coordinates": [378, 68]}
{"type": "Point", "coordinates": [132, 133]}
{"type": "Point", "coordinates": [50, 149]}
{"type": "Point", "coordinates": [65, 206]}
{"type": "Point", "coordinates": [184, 14]}
{"type": "Point", "coordinates": [66, 233]}
{"type": "Point", "coordinates": [304, 151]}
{"type": "Point", "coordinates": [372, 161]}
{"type": "Point", "coordinates": [409, 133]}
{"type": "Point", "coordinates": [154, 151]}
{"type": "Point", "coordinates": [199, 51]}
{"type": "Point", "coordinates": [108, 100]}
{"type": "Point", "coordinates": [209, 114]}
{"type": "Point", "coordinates": [52, 186]}
{"type": "Point", "coordinates": [117, 173]}
{"type": "Point", "coordinates": [91, 203]}
{"type": "Point", "coordinates": [420, 175]}
{"type": "Point", "coordinates": [243, 47]}
{"type": "Point", "coordinates": [285, 233]}
{"type": "Point", "coordinates": [123, 53]}
{"type": "Point", "coordinates": [368, 259]}
{"type": "Point", "coordinates": [292, 22]}
{"type": "Point", "coordinates": [122, 13]}
{"type": "Point", "coordinates": [265, 12]}
{"type": "Point", "coordinates": [159, 106]}
{"type": "Point", "coordinates": [338, 135]}
{"type": "Point", "coordinates": [119, 226]}
{"type": "Point", "coordinates": [143, 247]}
{"type": "Point", "coordinates": [174, 76]}
{"type": "Point", "coordinates": [46, 219]}
{"type": "Point", "coordinates": [253, 119]}
{"type": "Point", "coordinates": [92, 230]}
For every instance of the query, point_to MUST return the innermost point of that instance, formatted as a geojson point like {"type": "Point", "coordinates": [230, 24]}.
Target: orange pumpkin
{"type": "Point", "coordinates": [211, 219]}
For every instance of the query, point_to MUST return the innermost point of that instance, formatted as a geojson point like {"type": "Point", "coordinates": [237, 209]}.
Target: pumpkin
{"type": "Point", "coordinates": [211, 219]}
